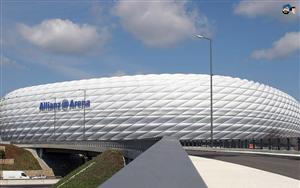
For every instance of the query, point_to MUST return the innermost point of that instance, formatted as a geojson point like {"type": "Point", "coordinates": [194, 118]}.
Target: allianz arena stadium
{"type": "Point", "coordinates": [148, 106]}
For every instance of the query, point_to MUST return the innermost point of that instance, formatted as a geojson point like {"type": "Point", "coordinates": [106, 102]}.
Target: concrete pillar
{"type": "Point", "coordinates": [39, 151]}
{"type": "Point", "coordinates": [278, 143]}
{"type": "Point", "coordinates": [246, 144]}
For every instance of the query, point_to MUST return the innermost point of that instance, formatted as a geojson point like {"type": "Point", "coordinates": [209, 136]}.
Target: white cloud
{"type": "Point", "coordinates": [161, 23]}
{"type": "Point", "coordinates": [64, 36]}
{"type": "Point", "coordinates": [254, 8]}
{"type": "Point", "coordinates": [70, 71]}
{"type": "Point", "coordinates": [285, 46]}
{"type": "Point", "coordinates": [119, 73]}
{"type": "Point", "coordinates": [7, 62]}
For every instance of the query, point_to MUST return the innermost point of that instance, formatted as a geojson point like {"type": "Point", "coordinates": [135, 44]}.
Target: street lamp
{"type": "Point", "coordinates": [84, 98]}
{"type": "Point", "coordinates": [211, 88]}
{"type": "Point", "coordinates": [54, 119]}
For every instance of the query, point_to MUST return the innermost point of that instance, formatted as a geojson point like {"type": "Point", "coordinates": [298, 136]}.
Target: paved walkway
{"type": "Point", "coordinates": [286, 166]}
{"type": "Point", "coordinates": [217, 174]}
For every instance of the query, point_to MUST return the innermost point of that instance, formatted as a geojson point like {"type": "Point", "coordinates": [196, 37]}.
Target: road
{"type": "Point", "coordinates": [287, 166]}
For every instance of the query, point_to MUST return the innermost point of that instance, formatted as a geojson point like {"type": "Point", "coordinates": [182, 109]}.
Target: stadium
{"type": "Point", "coordinates": [148, 106]}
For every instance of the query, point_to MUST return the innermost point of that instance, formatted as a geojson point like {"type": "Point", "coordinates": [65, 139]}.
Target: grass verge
{"type": "Point", "coordinates": [24, 160]}
{"type": "Point", "coordinates": [94, 172]}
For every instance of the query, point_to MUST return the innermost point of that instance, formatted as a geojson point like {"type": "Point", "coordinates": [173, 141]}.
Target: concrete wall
{"type": "Point", "coordinates": [7, 161]}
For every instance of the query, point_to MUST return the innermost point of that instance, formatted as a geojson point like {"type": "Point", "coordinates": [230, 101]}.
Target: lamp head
{"type": "Point", "coordinates": [199, 36]}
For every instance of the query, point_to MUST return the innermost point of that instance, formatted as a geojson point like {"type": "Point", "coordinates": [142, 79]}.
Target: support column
{"type": "Point", "coordinates": [288, 143]}
{"type": "Point", "coordinates": [40, 152]}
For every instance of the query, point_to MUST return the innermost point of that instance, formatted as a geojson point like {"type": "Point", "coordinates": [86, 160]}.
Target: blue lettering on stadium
{"type": "Point", "coordinates": [64, 105]}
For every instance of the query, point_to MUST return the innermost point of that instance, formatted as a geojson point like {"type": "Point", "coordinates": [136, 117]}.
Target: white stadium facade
{"type": "Point", "coordinates": [148, 106]}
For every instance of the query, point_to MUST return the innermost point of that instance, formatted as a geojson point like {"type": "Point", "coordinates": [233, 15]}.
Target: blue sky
{"type": "Point", "coordinates": [50, 41]}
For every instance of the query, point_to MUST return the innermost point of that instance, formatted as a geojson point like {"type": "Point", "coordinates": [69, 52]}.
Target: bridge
{"type": "Point", "coordinates": [130, 149]}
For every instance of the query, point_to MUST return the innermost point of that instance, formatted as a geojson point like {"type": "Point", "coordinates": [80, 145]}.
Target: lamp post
{"type": "Point", "coordinates": [84, 98]}
{"type": "Point", "coordinates": [54, 118]}
{"type": "Point", "coordinates": [211, 88]}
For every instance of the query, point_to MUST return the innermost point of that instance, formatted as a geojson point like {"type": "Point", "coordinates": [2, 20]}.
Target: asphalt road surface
{"type": "Point", "coordinates": [287, 166]}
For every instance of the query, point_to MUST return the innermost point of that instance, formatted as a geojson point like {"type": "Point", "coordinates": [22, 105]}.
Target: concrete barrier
{"type": "Point", "coordinates": [247, 151]}
{"type": "Point", "coordinates": [2, 148]}
{"type": "Point", "coordinates": [28, 182]}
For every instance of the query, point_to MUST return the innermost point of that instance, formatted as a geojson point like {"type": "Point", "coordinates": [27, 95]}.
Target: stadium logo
{"type": "Point", "coordinates": [64, 105]}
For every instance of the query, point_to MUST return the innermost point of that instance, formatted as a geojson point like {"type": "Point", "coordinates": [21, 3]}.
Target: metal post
{"type": "Point", "coordinates": [211, 88]}
{"type": "Point", "coordinates": [211, 95]}
{"type": "Point", "coordinates": [84, 97]}
{"type": "Point", "coordinates": [54, 110]}
{"type": "Point", "coordinates": [2, 119]}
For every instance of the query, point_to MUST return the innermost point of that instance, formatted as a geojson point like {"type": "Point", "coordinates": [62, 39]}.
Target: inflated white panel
{"type": "Point", "coordinates": [147, 106]}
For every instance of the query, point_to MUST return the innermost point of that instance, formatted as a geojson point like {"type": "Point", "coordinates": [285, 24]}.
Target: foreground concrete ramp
{"type": "Point", "coordinates": [165, 165]}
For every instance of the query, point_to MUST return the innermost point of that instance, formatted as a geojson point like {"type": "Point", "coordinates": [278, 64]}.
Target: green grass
{"type": "Point", "coordinates": [100, 169]}
{"type": "Point", "coordinates": [24, 160]}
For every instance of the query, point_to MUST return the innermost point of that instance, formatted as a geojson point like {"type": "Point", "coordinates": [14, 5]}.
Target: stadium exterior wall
{"type": "Point", "coordinates": [148, 106]}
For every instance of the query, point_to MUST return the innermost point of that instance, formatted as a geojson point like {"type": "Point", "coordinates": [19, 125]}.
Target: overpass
{"type": "Point", "coordinates": [130, 149]}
